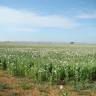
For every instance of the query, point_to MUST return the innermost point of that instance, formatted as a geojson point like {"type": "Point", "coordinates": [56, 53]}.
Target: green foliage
{"type": "Point", "coordinates": [64, 94]}
{"type": "Point", "coordinates": [26, 85]}
{"type": "Point", "coordinates": [3, 86]}
{"type": "Point", "coordinates": [84, 85]}
{"type": "Point", "coordinates": [50, 64]}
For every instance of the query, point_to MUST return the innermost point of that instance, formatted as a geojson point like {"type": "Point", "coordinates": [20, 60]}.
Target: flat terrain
{"type": "Point", "coordinates": [47, 70]}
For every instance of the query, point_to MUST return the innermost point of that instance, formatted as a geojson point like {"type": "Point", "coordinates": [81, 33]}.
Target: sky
{"type": "Point", "coordinates": [48, 20]}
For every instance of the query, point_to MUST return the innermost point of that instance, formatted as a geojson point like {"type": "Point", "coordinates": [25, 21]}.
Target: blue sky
{"type": "Point", "coordinates": [48, 20]}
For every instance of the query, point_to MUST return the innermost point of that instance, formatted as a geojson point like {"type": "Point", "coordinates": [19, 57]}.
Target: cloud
{"type": "Point", "coordinates": [22, 20]}
{"type": "Point", "coordinates": [87, 15]}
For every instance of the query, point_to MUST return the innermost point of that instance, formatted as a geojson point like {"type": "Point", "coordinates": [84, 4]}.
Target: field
{"type": "Point", "coordinates": [47, 70]}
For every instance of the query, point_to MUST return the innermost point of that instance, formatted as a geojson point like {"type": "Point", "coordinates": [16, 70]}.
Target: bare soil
{"type": "Point", "coordinates": [14, 88]}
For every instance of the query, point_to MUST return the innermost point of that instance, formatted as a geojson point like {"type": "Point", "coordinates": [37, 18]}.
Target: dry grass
{"type": "Point", "coordinates": [15, 89]}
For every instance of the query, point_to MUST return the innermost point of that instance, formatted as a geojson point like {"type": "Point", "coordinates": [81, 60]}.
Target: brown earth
{"type": "Point", "coordinates": [14, 89]}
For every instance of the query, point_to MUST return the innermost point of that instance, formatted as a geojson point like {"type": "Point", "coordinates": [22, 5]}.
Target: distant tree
{"type": "Point", "coordinates": [72, 42]}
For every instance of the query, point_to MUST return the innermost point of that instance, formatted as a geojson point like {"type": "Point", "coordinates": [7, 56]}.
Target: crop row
{"type": "Point", "coordinates": [54, 65]}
